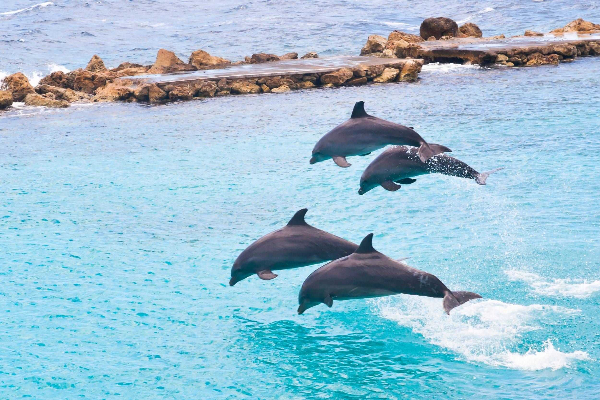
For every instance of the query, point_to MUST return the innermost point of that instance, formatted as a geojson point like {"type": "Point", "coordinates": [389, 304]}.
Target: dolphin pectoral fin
{"type": "Point", "coordinates": [328, 301]}
{"type": "Point", "coordinates": [389, 185]}
{"type": "Point", "coordinates": [406, 181]}
{"type": "Point", "coordinates": [341, 161]}
{"type": "Point", "coordinates": [266, 275]}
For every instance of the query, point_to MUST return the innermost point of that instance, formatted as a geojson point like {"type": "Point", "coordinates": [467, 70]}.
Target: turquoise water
{"type": "Point", "coordinates": [119, 223]}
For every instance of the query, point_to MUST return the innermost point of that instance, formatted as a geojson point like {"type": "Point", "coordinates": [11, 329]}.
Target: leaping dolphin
{"type": "Point", "coordinates": [399, 165]}
{"type": "Point", "coordinates": [368, 273]}
{"type": "Point", "coordinates": [295, 245]}
{"type": "Point", "coordinates": [363, 133]}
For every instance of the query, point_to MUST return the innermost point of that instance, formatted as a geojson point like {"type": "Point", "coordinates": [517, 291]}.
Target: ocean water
{"type": "Point", "coordinates": [119, 223]}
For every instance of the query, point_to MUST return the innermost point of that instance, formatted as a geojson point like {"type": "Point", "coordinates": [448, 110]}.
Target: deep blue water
{"type": "Point", "coordinates": [119, 223]}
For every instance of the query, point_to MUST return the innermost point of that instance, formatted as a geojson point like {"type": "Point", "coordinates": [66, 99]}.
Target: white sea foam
{"type": "Point", "coordinates": [34, 78]}
{"type": "Point", "coordinates": [446, 68]}
{"type": "Point", "coordinates": [33, 7]}
{"type": "Point", "coordinates": [578, 288]}
{"type": "Point", "coordinates": [55, 67]}
{"type": "Point", "coordinates": [2, 76]}
{"type": "Point", "coordinates": [485, 331]}
{"type": "Point", "coordinates": [470, 17]}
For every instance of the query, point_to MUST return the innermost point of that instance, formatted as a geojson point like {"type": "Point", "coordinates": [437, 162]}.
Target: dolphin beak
{"type": "Point", "coordinates": [361, 191]}
{"type": "Point", "coordinates": [313, 160]}
{"type": "Point", "coordinates": [233, 281]}
{"type": "Point", "coordinates": [302, 308]}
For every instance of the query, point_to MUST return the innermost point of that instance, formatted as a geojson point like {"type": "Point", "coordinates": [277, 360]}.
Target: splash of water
{"type": "Point", "coordinates": [557, 287]}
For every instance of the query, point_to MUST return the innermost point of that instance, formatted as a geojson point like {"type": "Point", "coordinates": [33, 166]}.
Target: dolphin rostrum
{"type": "Point", "coordinates": [363, 133]}
{"type": "Point", "coordinates": [399, 164]}
{"type": "Point", "coordinates": [368, 273]}
{"type": "Point", "coordinates": [295, 245]}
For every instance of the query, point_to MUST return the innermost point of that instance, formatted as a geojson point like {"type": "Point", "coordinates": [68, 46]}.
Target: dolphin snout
{"type": "Point", "coordinates": [313, 160]}
{"type": "Point", "coordinates": [361, 191]}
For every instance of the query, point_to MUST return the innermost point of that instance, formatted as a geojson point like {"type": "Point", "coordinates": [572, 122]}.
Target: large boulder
{"type": "Point", "coordinates": [260, 58]}
{"type": "Point", "coordinates": [206, 89]}
{"type": "Point", "coordinates": [58, 79]}
{"type": "Point", "coordinates": [375, 44]}
{"type": "Point", "coordinates": [96, 65]}
{"type": "Point", "coordinates": [6, 99]}
{"type": "Point", "coordinates": [59, 93]}
{"type": "Point", "coordinates": [289, 56]}
{"type": "Point", "coordinates": [410, 71]}
{"type": "Point", "coordinates": [18, 85]}
{"type": "Point", "coordinates": [310, 54]}
{"type": "Point", "coordinates": [47, 100]}
{"type": "Point", "coordinates": [244, 87]}
{"type": "Point", "coordinates": [114, 91]}
{"type": "Point", "coordinates": [337, 77]}
{"type": "Point", "coordinates": [470, 30]}
{"type": "Point", "coordinates": [388, 75]}
{"type": "Point", "coordinates": [407, 37]}
{"type": "Point", "coordinates": [88, 82]}
{"type": "Point", "coordinates": [533, 33]}
{"type": "Point", "coordinates": [202, 60]}
{"type": "Point", "coordinates": [536, 59]}
{"type": "Point", "coordinates": [438, 27]}
{"type": "Point", "coordinates": [167, 62]}
{"type": "Point", "coordinates": [150, 93]}
{"type": "Point", "coordinates": [579, 25]}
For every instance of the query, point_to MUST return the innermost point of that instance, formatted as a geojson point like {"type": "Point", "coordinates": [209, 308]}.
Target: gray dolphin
{"type": "Point", "coordinates": [400, 164]}
{"type": "Point", "coordinates": [368, 273]}
{"type": "Point", "coordinates": [363, 133]}
{"type": "Point", "coordinates": [295, 245]}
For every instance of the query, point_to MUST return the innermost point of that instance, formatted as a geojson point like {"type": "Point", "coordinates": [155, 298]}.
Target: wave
{"type": "Point", "coordinates": [484, 331]}
{"type": "Point", "coordinates": [55, 68]}
{"type": "Point", "coordinates": [33, 7]}
{"type": "Point", "coordinates": [556, 287]}
{"type": "Point", "coordinates": [446, 68]}
{"type": "Point", "coordinates": [471, 16]}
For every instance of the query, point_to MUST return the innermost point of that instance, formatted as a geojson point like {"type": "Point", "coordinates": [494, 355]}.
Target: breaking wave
{"type": "Point", "coordinates": [33, 7]}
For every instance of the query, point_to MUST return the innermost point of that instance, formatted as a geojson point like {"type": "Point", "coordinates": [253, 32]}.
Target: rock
{"type": "Point", "coordinates": [407, 37]}
{"type": "Point", "coordinates": [410, 71]}
{"type": "Point", "coordinates": [533, 33]}
{"type": "Point", "coordinates": [374, 70]}
{"type": "Point", "coordinates": [501, 58]}
{"type": "Point", "coordinates": [359, 72]}
{"type": "Point", "coordinates": [260, 58]}
{"type": "Point", "coordinates": [536, 59]}
{"type": "Point", "coordinates": [579, 25]}
{"type": "Point", "coordinates": [470, 30]}
{"type": "Point", "coordinates": [132, 71]}
{"type": "Point", "coordinates": [594, 48]}
{"type": "Point", "coordinates": [69, 95]}
{"type": "Point", "coordinates": [127, 65]}
{"type": "Point", "coordinates": [431, 38]}
{"type": "Point", "coordinates": [34, 99]}
{"type": "Point", "coordinates": [338, 77]}
{"type": "Point", "coordinates": [182, 93]}
{"type": "Point", "coordinates": [289, 56]}
{"type": "Point", "coordinates": [509, 64]}
{"type": "Point", "coordinates": [96, 65]}
{"type": "Point", "coordinates": [357, 81]}
{"type": "Point", "coordinates": [18, 85]}
{"type": "Point", "coordinates": [306, 85]}
{"type": "Point", "coordinates": [281, 89]}
{"type": "Point", "coordinates": [88, 82]}
{"type": "Point", "coordinates": [565, 50]}
{"type": "Point", "coordinates": [114, 91]}
{"type": "Point", "coordinates": [167, 62]}
{"type": "Point", "coordinates": [498, 37]}
{"type": "Point", "coordinates": [388, 75]}
{"type": "Point", "coordinates": [202, 60]}
{"type": "Point", "coordinates": [387, 53]}
{"type": "Point", "coordinates": [206, 89]}
{"type": "Point", "coordinates": [150, 93]}
{"type": "Point", "coordinates": [438, 27]}
{"type": "Point", "coordinates": [375, 44]}
{"type": "Point", "coordinates": [244, 87]}
{"type": "Point", "coordinates": [6, 99]}
{"type": "Point", "coordinates": [265, 88]}
{"type": "Point", "coordinates": [310, 54]}
{"type": "Point", "coordinates": [58, 79]}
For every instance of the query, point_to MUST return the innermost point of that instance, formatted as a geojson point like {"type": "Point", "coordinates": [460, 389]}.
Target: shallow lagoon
{"type": "Point", "coordinates": [120, 223]}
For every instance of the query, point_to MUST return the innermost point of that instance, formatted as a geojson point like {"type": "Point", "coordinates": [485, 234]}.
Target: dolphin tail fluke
{"type": "Point", "coordinates": [428, 150]}
{"type": "Point", "coordinates": [482, 177]}
{"type": "Point", "coordinates": [455, 299]}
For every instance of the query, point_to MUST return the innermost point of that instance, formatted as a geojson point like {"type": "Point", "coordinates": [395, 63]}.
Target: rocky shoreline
{"type": "Point", "coordinates": [401, 56]}
{"type": "Point", "coordinates": [442, 40]}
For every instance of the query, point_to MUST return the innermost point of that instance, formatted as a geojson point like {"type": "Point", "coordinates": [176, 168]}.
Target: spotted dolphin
{"type": "Point", "coordinates": [295, 245]}
{"type": "Point", "coordinates": [368, 273]}
{"type": "Point", "coordinates": [363, 133]}
{"type": "Point", "coordinates": [400, 164]}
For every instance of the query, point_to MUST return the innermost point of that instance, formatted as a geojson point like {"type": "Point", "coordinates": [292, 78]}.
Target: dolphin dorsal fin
{"type": "Point", "coordinates": [359, 110]}
{"type": "Point", "coordinates": [298, 218]}
{"type": "Point", "coordinates": [366, 246]}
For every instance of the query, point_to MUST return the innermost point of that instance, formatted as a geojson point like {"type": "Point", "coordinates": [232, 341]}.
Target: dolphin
{"type": "Point", "coordinates": [368, 273]}
{"type": "Point", "coordinates": [363, 133]}
{"type": "Point", "coordinates": [295, 245]}
{"type": "Point", "coordinates": [400, 164]}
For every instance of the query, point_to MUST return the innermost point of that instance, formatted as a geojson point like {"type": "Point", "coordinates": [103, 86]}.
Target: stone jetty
{"type": "Point", "coordinates": [442, 40]}
{"type": "Point", "coordinates": [397, 58]}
